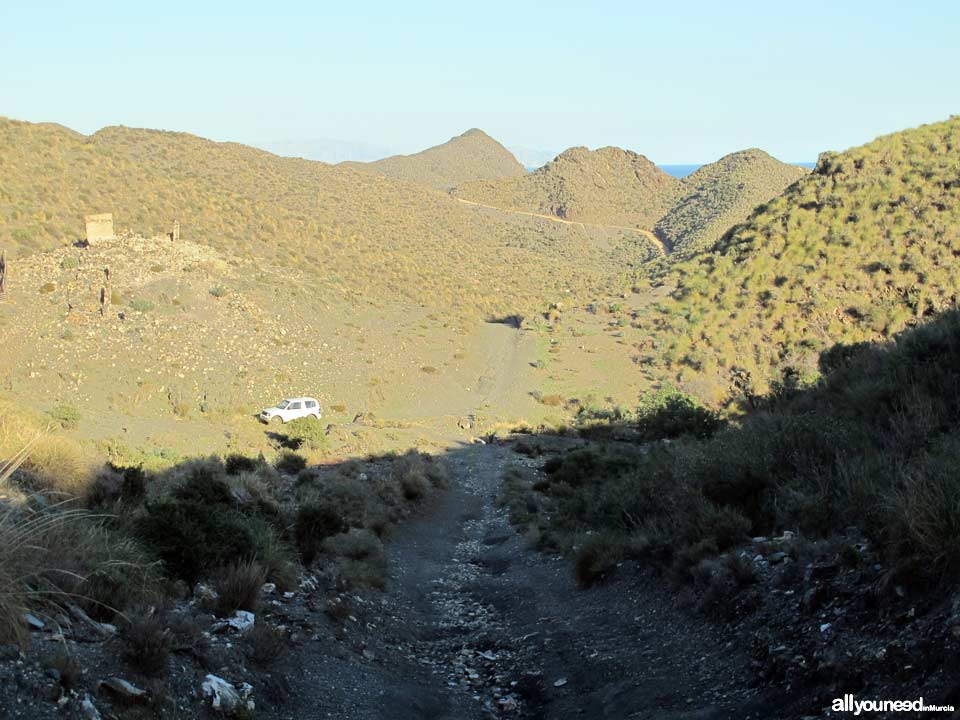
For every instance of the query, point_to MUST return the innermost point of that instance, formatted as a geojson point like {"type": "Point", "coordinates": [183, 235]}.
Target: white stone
{"type": "Point", "coordinates": [223, 696]}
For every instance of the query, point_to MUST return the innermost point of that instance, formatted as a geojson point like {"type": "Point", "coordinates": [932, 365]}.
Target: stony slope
{"type": "Point", "coordinates": [717, 196]}
{"type": "Point", "coordinates": [861, 248]}
{"type": "Point", "coordinates": [471, 156]}
{"type": "Point", "coordinates": [608, 186]}
{"type": "Point", "coordinates": [356, 234]}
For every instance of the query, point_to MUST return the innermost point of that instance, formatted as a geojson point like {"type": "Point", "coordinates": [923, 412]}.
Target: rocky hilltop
{"type": "Point", "coordinates": [609, 186]}
{"type": "Point", "coordinates": [474, 155]}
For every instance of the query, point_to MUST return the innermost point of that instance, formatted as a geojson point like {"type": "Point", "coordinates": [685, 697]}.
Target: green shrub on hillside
{"type": "Point", "coordinates": [872, 445]}
{"type": "Point", "coordinates": [670, 414]}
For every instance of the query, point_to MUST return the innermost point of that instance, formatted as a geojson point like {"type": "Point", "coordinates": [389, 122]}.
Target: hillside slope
{"type": "Point", "coordinates": [717, 196]}
{"type": "Point", "coordinates": [474, 155]}
{"type": "Point", "coordinates": [608, 186]}
{"type": "Point", "coordinates": [861, 248]}
{"type": "Point", "coordinates": [356, 234]}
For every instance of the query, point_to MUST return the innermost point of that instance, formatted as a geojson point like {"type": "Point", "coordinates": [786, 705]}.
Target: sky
{"type": "Point", "coordinates": [680, 82]}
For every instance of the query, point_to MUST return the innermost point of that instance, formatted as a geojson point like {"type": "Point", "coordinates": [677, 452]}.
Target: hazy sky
{"type": "Point", "coordinates": [680, 81]}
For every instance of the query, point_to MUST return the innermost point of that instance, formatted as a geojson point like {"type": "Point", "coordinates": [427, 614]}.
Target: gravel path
{"type": "Point", "coordinates": [475, 624]}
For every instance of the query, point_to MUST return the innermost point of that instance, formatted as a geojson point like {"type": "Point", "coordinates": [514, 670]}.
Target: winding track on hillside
{"type": "Point", "coordinates": [660, 243]}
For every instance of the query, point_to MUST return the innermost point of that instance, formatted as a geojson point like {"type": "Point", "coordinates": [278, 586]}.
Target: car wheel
{"type": "Point", "coordinates": [317, 416]}
{"type": "Point", "coordinates": [276, 420]}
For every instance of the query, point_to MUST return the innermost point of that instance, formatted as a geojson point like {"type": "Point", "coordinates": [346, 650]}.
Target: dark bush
{"type": "Point", "coordinates": [315, 523]}
{"type": "Point", "coordinates": [236, 464]}
{"type": "Point", "coordinates": [192, 538]}
{"type": "Point", "coordinates": [205, 485]}
{"type": "Point", "coordinates": [133, 488]}
{"type": "Point", "coordinates": [290, 463]}
{"type": "Point", "coordinates": [264, 645]}
{"type": "Point", "coordinates": [147, 643]}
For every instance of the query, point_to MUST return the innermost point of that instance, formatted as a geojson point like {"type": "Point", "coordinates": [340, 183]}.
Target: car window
{"type": "Point", "coordinates": [283, 404]}
{"type": "Point", "coordinates": [311, 403]}
{"type": "Point", "coordinates": [294, 406]}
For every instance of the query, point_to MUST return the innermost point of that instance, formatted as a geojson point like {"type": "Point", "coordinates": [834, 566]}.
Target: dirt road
{"type": "Point", "coordinates": [652, 237]}
{"type": "Point", "coordinates": [476, 624]}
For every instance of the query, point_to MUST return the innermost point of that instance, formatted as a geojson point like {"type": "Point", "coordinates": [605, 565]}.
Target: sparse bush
{"type": "Point", "coordinates": [141, 305]}
{"type": "Point", "coordinates": [147, 642]}
{"type": "Point", "coordinates": [265, 645]}
{"type": "Point", "coordinates": [66, 416]}
{"type": "Point", "coordinates": [362, 559]}
{"type": "Point", "coordinates": [238, 586]}
{"type": "Point", "coordinates": [218, 291]}
{"type": "Point", "coordinates": [596, 557]}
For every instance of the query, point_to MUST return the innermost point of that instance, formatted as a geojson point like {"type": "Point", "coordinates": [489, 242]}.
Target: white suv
{"type": "Point", "coordinates": [291, 409]}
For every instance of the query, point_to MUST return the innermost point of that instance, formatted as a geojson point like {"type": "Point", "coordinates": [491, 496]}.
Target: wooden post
{"type": "Point", "coordinates": [176, 231]}
{"type": "Point", "coordinates": [3, 271]}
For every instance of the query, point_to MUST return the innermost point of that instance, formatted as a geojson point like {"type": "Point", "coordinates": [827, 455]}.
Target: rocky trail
{"type": "Point", "coordinates": [476, 624]}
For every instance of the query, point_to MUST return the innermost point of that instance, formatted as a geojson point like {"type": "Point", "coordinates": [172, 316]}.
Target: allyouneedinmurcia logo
{"type": "Point", "coordinates": [850, 704]}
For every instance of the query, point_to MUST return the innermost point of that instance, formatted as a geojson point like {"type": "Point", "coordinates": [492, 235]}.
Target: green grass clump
{"type": "Point", "coordinates": [141, 304]}
{"type": "Point", "coordinates": [66, 416]}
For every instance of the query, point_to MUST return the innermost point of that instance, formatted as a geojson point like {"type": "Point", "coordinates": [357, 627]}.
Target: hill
{"type": "Point", "coordinates": [863, 247]}
{"type": "Point", "coordinates": [717, 196]}
{"type": "Point", "coordinates": [356, 235]}
{"type": "Point", "coordinates": [608, 186]}
{"type": "Point", "coordinates": [471, 156]}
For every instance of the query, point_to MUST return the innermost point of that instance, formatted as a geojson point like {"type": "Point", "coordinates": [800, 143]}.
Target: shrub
{"type": "Point", "coordinates": [133, 487]}
{"type": "Point", "coordinates": [192, 537]}
{"type": "Point", "coordinates": [264, 645]}
{"type": "Point", "coordinates": [315, 523]}
{"type": "Point", "coordinates": [218, 291]}
{"type": "Point", "coordinates": [306, 433]}
{"type": "Point", "coordinates": [363, 561]}
{"type": "Point", "coordinates": [141, 304]}
{"type": "Point", "coordinates": [66, 416]}
{"type": "Point", "coordinates": [147, 642]}
{"type": "Point", "coordinates": [236, 464]}
{"type": "Point", "coordinates": [69, 262]}
{"type": "Point", "coordinates": [670, 413]}
{"type": "Point", "coordinates": [290, 463]}
{"type": "Point", "coordinates": [275, 555]}
{"type": "Point", "coordinates": [595, 558]}
{"type": "Point", "coordinates": [205, 485]}
{"type": "Point", "coordinates": [238, 586]}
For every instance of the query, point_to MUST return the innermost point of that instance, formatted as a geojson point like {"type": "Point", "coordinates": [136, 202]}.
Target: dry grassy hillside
{"type": "Point", "coordinates": [355, 235]}
{"type": "Point", "coordinates": [861, 248]}
{"type": "Point", "coordinates": [719, 195]}
{"type": "Point", "coordinates": [608, 186]}
{"type": "Point", "coordinates": [471, 156]}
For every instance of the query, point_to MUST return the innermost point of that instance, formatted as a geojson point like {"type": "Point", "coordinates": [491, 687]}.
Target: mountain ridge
{"type": "Point", "coordinates": [472, 155]}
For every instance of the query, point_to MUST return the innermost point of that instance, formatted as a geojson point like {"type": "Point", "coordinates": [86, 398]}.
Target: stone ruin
{"type": "Point", "coordinates": [99, 227]}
